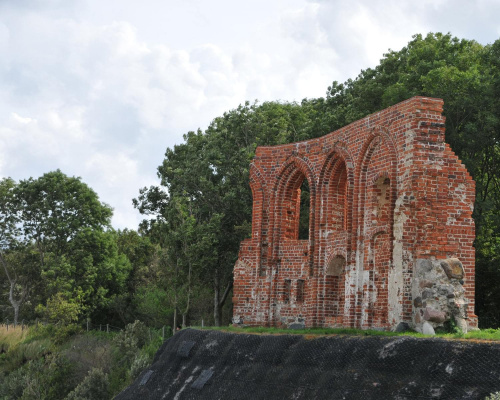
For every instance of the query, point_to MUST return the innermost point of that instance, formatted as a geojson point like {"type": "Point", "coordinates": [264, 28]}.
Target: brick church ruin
{"type": "Point", "coordinates": [390, 228]}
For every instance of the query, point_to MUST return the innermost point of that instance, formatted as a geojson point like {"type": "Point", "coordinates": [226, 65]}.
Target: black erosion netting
{"type": "Point", "coordinates": [207, 364]}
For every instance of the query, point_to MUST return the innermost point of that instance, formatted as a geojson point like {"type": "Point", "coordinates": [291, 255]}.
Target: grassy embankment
{"type": "Point", "coordinates": [65, 363]}
{"type": "Point", "coordinates": [10, 336]}
{"type": "Point", "coordinates": [484, 334]}
{"type": "Point", "coordinates": [49, 362]}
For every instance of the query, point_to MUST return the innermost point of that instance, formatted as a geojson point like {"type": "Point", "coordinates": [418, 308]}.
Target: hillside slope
{"type": "Point", "coordinates": [216, 365]}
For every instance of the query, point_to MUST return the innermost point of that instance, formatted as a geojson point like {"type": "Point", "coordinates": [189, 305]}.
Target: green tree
{"type": "Point", "coordinates": [11, 250]}
{"type": "Point", "coordinates": [143, 284]}
{"type": "Point", "coordinates": [55, 207]}
{"type": "Point", "coordinates": [210, 169]}
{"type": "Point", "coordinates": [465, 75]}
{"type": "Point", "coordinates": [43, 223]}
{"type": "Point", "coordinates": [203, 206]}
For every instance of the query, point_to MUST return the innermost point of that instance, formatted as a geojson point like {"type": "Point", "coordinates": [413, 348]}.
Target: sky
{"type": "Point", "coordinates": [101, 88]}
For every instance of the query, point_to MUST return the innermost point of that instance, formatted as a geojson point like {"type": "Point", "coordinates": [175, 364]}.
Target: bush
{"type": "Point", "coordinates": [88, 351]}
{"type": "Point", "coordinates": [39, 379]}
{"type": "Point", "coordinates": [61, 309]}
{"type": "Point", "coordinates": [141, 361]}
{"type": "Point", "coordinates": [64, 332]}
{"type": "Point", "coordinates": [41, 331]}
{"type": "Point", "coordinates": [130, 340]}
{"type": "Point", "coordinates": [95, 386]}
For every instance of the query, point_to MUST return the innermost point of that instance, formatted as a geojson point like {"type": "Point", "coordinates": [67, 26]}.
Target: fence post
{"type": "Point", "coordinates": [100, 327]}
{"type": "Point", "coordinates": [202, 323]}
{"type": "Point", "coordinates": [7, 323]}
{"type": "Point", "coordinates": [107, 328]}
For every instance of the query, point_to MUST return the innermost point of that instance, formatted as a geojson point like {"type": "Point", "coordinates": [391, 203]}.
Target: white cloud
{"type": "Point", "coordinates": [100, 91]}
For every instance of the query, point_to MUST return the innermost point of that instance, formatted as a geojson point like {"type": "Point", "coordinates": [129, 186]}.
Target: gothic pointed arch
{"type": "Point", "coordinates": [286, 200]}
{"type": "Point", "coordinates": [374, 211]}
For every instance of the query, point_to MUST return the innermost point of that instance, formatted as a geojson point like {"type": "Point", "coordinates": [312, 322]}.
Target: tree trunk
{"type": "Point", "coordinates": [217, 307]}
{"type": "Point", "coordinates": [12, 281]}
{"type": "Point", "coordinates": [174, 328]}
{"type": "Point", "coordinates": [16, 312]}
{"type": "Point", "coordinates": [188, 303]}
{"type": "Point", "coordinates": [220, 301]}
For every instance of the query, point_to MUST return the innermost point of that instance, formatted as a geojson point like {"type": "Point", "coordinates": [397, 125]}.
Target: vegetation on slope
{"type": "Point", "coordinates": [49, 362]}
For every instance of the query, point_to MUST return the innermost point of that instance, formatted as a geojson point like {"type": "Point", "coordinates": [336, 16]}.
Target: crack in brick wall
{"type": "Point", "coordinates": [386, 192]}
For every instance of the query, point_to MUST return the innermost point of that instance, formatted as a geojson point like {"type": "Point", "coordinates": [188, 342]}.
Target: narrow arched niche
{"type": "Point", "coordinates": [336, 266]}
{"type": "Point", "coordinates": [381, 198]}
{"type": "Point", "coordinates": [334, 286]}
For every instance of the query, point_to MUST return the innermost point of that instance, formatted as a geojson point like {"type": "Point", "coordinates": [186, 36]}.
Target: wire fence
{"type": "Point", "coordinates": [165, 331]}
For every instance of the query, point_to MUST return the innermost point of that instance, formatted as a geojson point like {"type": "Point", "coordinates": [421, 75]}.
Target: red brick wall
{"type": "Point", "coordinates": [385, 191]}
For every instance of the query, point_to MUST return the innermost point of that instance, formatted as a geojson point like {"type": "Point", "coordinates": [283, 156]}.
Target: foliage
{"type": "Point", "coordinates": [466, 75]}
{"type": "Point", "coordinates": [140, 362]}
{"type": "Point", "coordinates": [39, 379]}
{"type": "Point", "coordinates": [95, 386]}
{"type": "Point", "coordinates": [42, 221]}
{"type": "Point", "coordinates": [134, 336]}
{"type": "Point", "coordinates": [208, 173]}
{"type": "Point", "coordinates": [153, 304]}
{"type": "Point", "coordinates": [61, 309]}
{"type": "Point", "coordinates": [39, 365]}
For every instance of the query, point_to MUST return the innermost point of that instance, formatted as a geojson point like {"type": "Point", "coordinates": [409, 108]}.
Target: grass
{"type": "Point", "coordinates": [11, 336]}
{"type": "Point", "coordinates": [484, 334]}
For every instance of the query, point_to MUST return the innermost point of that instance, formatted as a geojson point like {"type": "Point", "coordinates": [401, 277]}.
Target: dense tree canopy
{"type": "Point", "coordinates": [209, 171]}
{"type": "Point", "coordinates": [60, 260]}
{"type": "Point", "coordinates": [57, 246]}
{"type": "Point", "coordinates": [55, 252]}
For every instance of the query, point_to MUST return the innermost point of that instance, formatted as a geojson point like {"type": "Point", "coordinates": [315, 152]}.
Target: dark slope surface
{"type": "Point", "coordinates": [216, 365]}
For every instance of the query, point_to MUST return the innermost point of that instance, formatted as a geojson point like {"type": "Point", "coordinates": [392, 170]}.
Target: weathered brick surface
{"type": "Point", "coordinates": [385, 192]}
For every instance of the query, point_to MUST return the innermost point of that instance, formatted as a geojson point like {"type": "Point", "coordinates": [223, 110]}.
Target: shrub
{"type": "Point", "coordinates": [88, 351]}
{"type": "Point", "coordinates": [95, 386]}
{"type": "Point", "coordinates": [141, 361]}
{"type": "Point", "coordinates": [130, 340]}
{"type": "Point", "coordinates": [40, 331]}
{"type": "Point", "coordinates": [64, 332]}
{"type": "Point", "coordinates": [61, 309]}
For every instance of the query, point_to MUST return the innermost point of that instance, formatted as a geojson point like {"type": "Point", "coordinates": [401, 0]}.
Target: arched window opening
{"type": "Point", "coordinates": [296, 205]}
{"type": "Point", "coordinates": [305, 207]}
